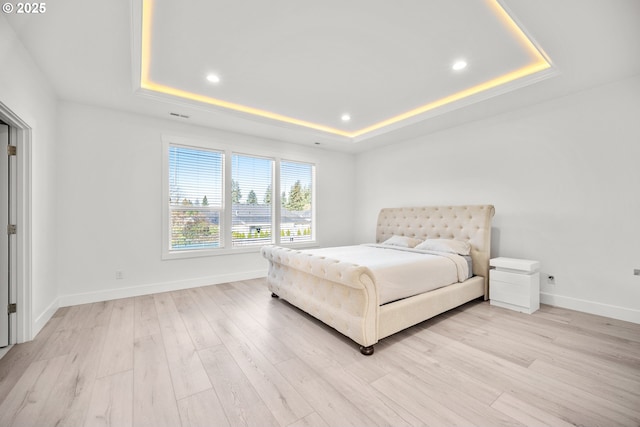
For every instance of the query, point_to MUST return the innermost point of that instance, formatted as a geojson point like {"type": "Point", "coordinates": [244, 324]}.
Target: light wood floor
{"type": "Point", "coordinates": [230, 355]}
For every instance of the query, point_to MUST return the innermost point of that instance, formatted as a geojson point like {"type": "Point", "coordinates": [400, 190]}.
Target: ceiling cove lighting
{"type": "Point", "coordinates": [537, 64]}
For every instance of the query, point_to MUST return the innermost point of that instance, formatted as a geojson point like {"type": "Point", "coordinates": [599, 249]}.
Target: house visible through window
{"type": "Point", "coordinates": [219, 200]}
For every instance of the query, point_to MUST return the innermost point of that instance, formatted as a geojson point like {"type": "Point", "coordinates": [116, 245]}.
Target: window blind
{"type": "Point", "coordinates": [296, 216]}
{"type": "Point", "coordinates": [195, 197]}
{"type": "Point", "coordinates": [251, 196]}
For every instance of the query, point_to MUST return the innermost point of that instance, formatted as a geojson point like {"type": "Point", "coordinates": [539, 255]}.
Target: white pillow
{"type": "Point", "coordinates": [402, 241]}
{"type": "Point", "coordinates": [445, 245]}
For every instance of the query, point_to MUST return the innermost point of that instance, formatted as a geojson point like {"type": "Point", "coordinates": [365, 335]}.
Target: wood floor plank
{"type": "Point", "coordinates": [61, 312]}
{"type": "Point", "coordinates": [202, 409]}
{"type": "Point", "coordinates": [311, 420]}
{"type": "Point", "coordinates": [332, 406]}
{"type": "Point", "coordinates": [187, 373]}
{"type": "Point", "coordinates": [99, 315]}
{"type": "Point", "coordinates": [145, 316]}
{"type": "Point", "coordinates": [117, 355]}
{"type": "Point", "coordinates": [606, 350]}
{"type": "Point", "coordinates": [550, 394]}
{"type": "Point", "coordinates": [18, 359]}
{"type": "Point", "coordinates": [59, 344]}
{"type": "Point", "coordinates": [592, 323]}
{"type": "Point", "coordinates": [196, 324]}
{"type": "Point", "coordinates": [376, 405]}
{"type": "Point", "coordinates": [367, 369]}
{"type": "Point", "coordinates": [27, 399]}
{"type": "Point", "coordinates": [154, 402]}
{"type": "Point", "coordinates": [111, 402]}
{"type": "Point", "coordinates": [209, 309]}
{"type": "Point", "coordinates": [240, 401]}
{"type": "Point", "coordinates": [407, 356]}
{"type": "Point", "coordinates": [431, 412]}
{"type": "Point", "coordinates": [622, 391]}
{"type": "Point", "coordinates": [542, 345]}
{"type": "Point", "coordinates": [235, 306]}
{"type": "Point", "coordinates": [262, 305]}
{"type": "Point", "coordinates": [256, 299]}
{"type": "Point", "coordinates": [456, 399]}
{"type": "Point", "coordinates": [474, 332]}
{"type": "Point", "coordinates": [68, 401]}
{"type": "Point", "coordinates": [526, 414]}
{"type": "Point", "coordinates": [284, 402]}
{"type": "Point", "coordinates": [76, 316]}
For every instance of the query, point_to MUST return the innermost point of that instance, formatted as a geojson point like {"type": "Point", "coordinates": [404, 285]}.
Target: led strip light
{"type": "Point", "coordinates": [539, 63]}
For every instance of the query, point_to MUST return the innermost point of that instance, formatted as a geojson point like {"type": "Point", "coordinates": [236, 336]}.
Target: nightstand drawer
{"type": "Point", "coordinates": [511, 293]}
{"type": "Point", "coordinates": [509, 277]}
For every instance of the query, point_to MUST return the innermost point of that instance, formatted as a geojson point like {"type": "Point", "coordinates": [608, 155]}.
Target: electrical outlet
{"type": "Point", "coordinates": [119, 275]}
{"type": "Point", "coordinates": [551, 279]}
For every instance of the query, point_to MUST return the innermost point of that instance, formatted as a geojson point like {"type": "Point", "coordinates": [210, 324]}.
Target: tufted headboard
{"type": "Point", "coordinates": [468, 223]}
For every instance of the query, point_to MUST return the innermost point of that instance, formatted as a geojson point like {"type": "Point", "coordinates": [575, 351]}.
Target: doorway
{"type": "Point", "coordinates": [15, 243]}
{"type": "Point", "coordinates": [8, 230]}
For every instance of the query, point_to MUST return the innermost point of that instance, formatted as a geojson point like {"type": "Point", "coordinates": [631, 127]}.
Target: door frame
{"type": "Point", "coordinates": [21, 136]}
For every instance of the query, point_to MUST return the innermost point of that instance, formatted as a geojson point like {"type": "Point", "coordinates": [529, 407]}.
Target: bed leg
{"type": "Point", "coordinates": [274, 295]}
{"type": "Point", "coordinates": [367, 351]}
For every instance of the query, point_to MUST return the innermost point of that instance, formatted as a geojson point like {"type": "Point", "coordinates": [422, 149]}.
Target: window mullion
{"type": "Point", "coordinates": [227, 205]}
{"type": "Point", "coordinates": [277, 203]}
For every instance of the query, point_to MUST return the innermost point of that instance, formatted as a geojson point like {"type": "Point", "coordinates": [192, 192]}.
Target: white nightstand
{"type": "Point", "coordinates": [515, 284]}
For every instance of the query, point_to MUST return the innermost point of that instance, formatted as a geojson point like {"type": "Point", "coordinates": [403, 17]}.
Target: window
{"type": "Point", "coordinates": [195, 198]}
{"type": "Point", "coordinates": [219, 201]}
{"type": "Point", "coordinates": [296, 216]}
{"type": "Point", "coordinates": [251, 195]}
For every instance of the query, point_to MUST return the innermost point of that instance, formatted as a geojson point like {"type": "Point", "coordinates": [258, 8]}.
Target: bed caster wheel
{"type": "Point", "coordinates": [274, 295]}
{"type": "Point", "coordinates": [367, 351]}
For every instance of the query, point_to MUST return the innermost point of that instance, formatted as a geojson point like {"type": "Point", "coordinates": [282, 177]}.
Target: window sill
{"type": "Point", "coordinates": [203, 253]}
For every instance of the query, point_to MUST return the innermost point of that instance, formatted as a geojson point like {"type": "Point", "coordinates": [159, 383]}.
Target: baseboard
{"type": "Point", "coordinates": [44, 317]}
{"type": "Point", "coordinates": [134, 291]}
{"type": "Point", "coordinates": [591, 307]}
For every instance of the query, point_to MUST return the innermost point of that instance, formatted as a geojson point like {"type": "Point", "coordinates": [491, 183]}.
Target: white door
{"type": "Point", "coordinates": [7, 241]}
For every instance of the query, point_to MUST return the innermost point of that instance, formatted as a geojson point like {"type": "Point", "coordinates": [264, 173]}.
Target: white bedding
{"type": "Point", "coordinates": [402, 272]}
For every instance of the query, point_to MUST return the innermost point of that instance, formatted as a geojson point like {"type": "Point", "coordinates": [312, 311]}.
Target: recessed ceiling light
{"type": "Point", "coordinates": [459, 65]}
{"type": "Point", "coordinates": [213, 78]}
{"type": "Point", "coordinates": [345, 117]}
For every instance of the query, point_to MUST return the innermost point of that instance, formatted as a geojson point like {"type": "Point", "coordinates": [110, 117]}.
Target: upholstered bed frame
{"type": "Point", "coordinates": [344, 295]}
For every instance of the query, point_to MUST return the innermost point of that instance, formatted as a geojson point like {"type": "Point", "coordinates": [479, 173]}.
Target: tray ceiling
{"type": "Point", "coordinates": [352, 69]}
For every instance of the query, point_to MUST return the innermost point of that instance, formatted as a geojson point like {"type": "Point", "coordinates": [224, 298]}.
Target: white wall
{"type": "Point", "coordinates": [27, 93]}
{"type": "Point", "coordinates": [564, 177]}
{"type": "Point", "coordinates": [109, 205]}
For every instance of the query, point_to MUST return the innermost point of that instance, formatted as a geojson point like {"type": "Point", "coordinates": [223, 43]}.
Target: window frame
{"type": "Point", "coordinates": [274, 164]}
{"type": "Point", "coordinates": [226, 216]}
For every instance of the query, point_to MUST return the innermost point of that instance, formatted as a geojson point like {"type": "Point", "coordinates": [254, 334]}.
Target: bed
{"type": "Point", "coordinates": [347, 295]}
